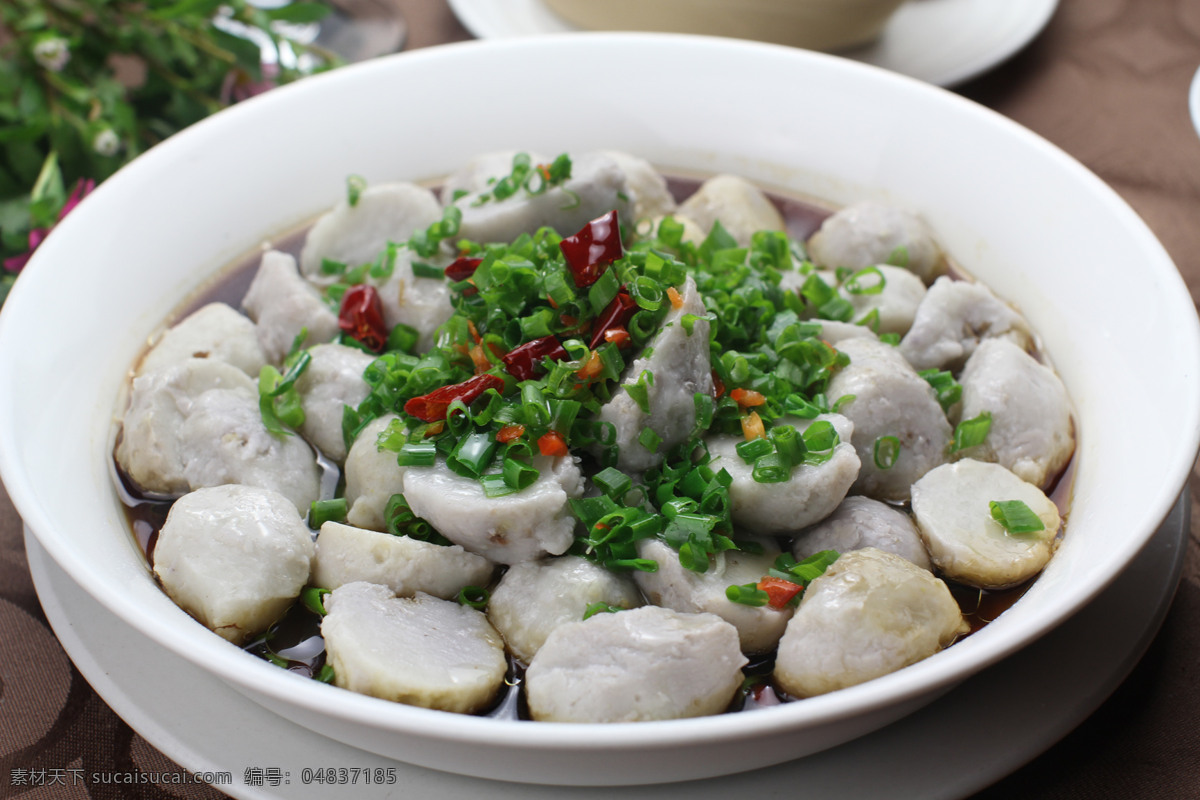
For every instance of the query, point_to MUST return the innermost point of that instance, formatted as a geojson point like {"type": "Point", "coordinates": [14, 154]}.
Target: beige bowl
{"type": "Point", "coordinates": [813, 24]}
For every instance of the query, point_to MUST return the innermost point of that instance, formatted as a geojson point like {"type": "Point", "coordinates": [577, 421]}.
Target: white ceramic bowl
{"type": "Point", "coordinates": [828, 25]}
{"type": "Point", "coordinates": [1028, 220]}
{"type": "Point", "coordinates": [1194, 101]}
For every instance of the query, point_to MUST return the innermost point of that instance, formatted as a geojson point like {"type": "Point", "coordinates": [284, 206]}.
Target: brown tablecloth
{"type": "Point", "coordinates": [1108, 82]}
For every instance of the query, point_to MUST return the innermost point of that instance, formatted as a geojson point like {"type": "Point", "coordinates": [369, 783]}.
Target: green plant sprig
{"type": "Point", "coordinates": [87, 85]}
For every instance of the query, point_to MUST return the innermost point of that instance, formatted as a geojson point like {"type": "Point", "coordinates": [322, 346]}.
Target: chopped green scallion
{"type": "Point", "coordinates": [1015, 516]}
{"type": "Point", "coordinates": [474, 596]}
{"type": "Point", "coordinates": [886, 451]}
{"type": "Point", "coordinates": [971, 432]}
{"type": "Point", "coordinates": [322, 511]}
{"type": "Point", "coordinates": [748, 595]}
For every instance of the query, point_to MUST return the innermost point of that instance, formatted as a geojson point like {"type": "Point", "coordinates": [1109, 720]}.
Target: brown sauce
{"type": "Point", "coordinates": [295, 643]}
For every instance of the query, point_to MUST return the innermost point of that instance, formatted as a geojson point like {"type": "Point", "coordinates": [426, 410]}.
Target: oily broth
{"type": "Point", "coordinates": [295, 642]}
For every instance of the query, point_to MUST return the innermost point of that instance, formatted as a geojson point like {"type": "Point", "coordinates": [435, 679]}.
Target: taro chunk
{"type": "Point", "coordinates": [234, 557]}
{"type": "Point", "coordinates": [346, 554]}
{"type": "Point", "coordinates": [160, 401]}
{"type": "Point", "coordinates": [482, 171]}
{"type": "Point", "coordinates": [535, 597]}
{"type": "Point", "coordinates": [674, 586]}
{"type": "Point", "coordinates": [198, 424]}
{"type": "Point", "coordinates": [810, 492]}
{"type": "Point", "coordinates": [284, 304]}
{"type": "Point", "coordinates": [952, 506]}
{"type": "Point", "coordinates": [358, 234]}
{"type": "Point", "coordinates": [596, 187]}
{"type": "Point", "coordinates": [372, 477]}
{"type": "Point", "coordinates": [740, 207]}
{"type": "Point", "coordinates": [953, 318]}
{"type": "Point", "coordinates": [419, 650]}
{"type": "Point", "coordinates": [889, 400]}
{"type": "Point", "coordinates": [225, 442]}
{"type": "Point", "coordinates": [646, 187]}
{"type": "Point", "coordinates": [1031, 431]}
{"type": "Point", "coordinates": [676, 368]}
{"type": "Point", "coordinates": [868, 233]}
{"type": "Point", "coordinates": [333, 380]}
{"type": "Point", "coordinates": [522, 526]}
{"type": "Point", "coordinates": [422, 304]}
{"type": "Point", "coordinates": [213, 331]}
{"type": "Point", "coordinates": [870, 614]}
{"type": "Point", "coordinates": [630, 666]}
{"type": "Point", "coordinates": [895, 304]}
{"type": "Point", "coordinates": [862, 522]}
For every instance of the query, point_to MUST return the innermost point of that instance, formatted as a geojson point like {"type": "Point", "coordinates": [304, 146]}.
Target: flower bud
{"type": "Point", "coordinates": [106, 142]}
{"type": "Point", "coordinates": [52, 53]}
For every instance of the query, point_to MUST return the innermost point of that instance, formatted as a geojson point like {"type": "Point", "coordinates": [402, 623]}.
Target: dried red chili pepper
{"type": "Point", "coordinates": [551, 443]}
{"type": "Point", "coordinates": [462, 268]}
{"type": "Point", "coordinates": [779, 592]}
{"type": "Point", "coordinates": [524, 362]}
{"type": "Point", "coordinates": [433, 406]}
{"type": "Point", "coordinates": [597, 245]}
{"type": "Point", "coordinates": [615, 315]}
{"type": "Point", "coordinates": [361, 316]}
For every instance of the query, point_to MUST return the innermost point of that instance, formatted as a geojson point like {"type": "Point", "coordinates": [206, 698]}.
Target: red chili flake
{"type": "Point", "coordinates": [361, 316]}
{"type": "Point", "coordinates": [510, 433]}
{"type": "Point", "coordinates": [552, 443]}
{"type": "Point", "coordinates": [615, 315]}
{"type": "Point", "coordinates": [524, 362]}
{"type": "Point", "coordinates": [462, 268]}
{"type": "Point", "coordinates": [597, 245]}
{"type": "Point", "coordinates": [747, 398]}
{"type": "Point", "coordinates": [618, 336]}
{"type": "Point", "coordinates": [591, 368]}
{"type": "Point", "coordinates": [779, 592]}
{"type": "Point", "coordinates": [432, 407]}
{"type": "Point", "coordinates": [718, 385]}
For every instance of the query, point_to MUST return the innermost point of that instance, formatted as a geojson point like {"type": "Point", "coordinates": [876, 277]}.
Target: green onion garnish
{"type": "Point", "coordinates": [887, 450]}
{"type": "Point", "coordinates": [355, 186]}
{"type": "Point", "coordinates": [474, 596]}
{"type": "Point", "coordinates": [971, 432]}
{"type": "Point", "coordinates": [855, 283]}
{"type": "Point", "coordinates": [1015, 517]}
{"type": "Point", "coordinates": [422, 270]}
{"type": "Point", "coordinates": [600, 608]}
{"type": "Point", "coordinates": [803, 572]}
{"type": "Point", "coordinates": [401, 521]}
{"type": "Point", "coordinates": [754, 449]}
{"type": "Point", "coordinates": [898, 257]}
{"type": "Point", "coordinates": [473, 453]}
{"type": "Point", "coordinates": [322, 511]}
{"type": "Point", "coordinates": [403, 338]}
{"type": "Point", "coordinates": [649, 439]}
{"type": "Point", "coordinates": [518, 474]}
{"type": "Point", "coordinates": [313, 598]}
{"type": "Point", "coordinates": [948, 390]}
{"type": "Point", "coordinates": [772, 468]}
{"type": "Point", "coordinates": [417, 454]}
{"type": "Point", "coordinates": [748, 595]}
{"type": "Point", "coordinates": [613, 482]}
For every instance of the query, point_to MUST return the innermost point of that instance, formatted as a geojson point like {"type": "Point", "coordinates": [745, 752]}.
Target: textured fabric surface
{"type": "Point", "coordinates": [1107, 81]}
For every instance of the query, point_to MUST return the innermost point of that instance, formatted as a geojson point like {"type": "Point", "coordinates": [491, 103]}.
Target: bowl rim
{"type": "Point", "coordinates": [938, 672]}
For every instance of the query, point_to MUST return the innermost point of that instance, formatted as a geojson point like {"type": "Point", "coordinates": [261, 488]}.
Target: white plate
{"type": "Point", "coordinates": [944, 42]}
{"type": "Point", "coordinates": [177, 707]}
